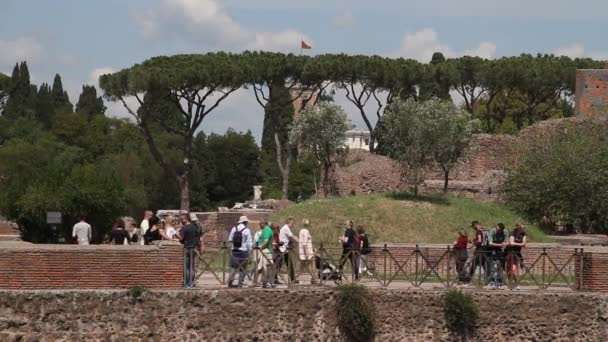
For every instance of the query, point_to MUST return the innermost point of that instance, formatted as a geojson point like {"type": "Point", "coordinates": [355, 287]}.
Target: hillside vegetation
{"type": "Point", "coordinates": [399, 217]}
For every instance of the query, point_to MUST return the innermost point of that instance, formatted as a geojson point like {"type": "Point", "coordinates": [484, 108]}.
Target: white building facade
{"type": "Point", "coordinates": [358, 139]}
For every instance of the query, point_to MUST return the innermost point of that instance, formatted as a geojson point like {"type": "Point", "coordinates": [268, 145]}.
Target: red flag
{"type": "Point", "coordinates": [305, 45]}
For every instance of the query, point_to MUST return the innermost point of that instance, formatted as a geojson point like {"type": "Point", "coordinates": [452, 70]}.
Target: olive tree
{"type": "Point", "coordinates": [453, 129]}
{"type": "Point", "coordinates": [415, 135]}
{"type": "Point", "coordinates": [321, 131]}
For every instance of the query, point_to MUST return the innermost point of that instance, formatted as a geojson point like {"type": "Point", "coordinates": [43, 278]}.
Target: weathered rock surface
{"type": "Point", "coordinates": [284, 315]}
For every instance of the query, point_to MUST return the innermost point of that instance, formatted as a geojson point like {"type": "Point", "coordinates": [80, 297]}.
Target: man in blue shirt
{"type": "Point", "coordinates": [242, 242]}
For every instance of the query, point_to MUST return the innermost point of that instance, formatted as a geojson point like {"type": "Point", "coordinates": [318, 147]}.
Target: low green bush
{"type": "Point", "coordinates": [136, 292]}
{"type": "Point", "coordinates": [460, 313]}
{"type": "Point", "coordinates": [356, 313]}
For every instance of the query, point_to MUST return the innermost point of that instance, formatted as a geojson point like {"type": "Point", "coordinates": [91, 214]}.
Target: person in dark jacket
{"type": "Point", "coordinates": [350, 249]}
{"type": "Point", "coordinates": [190, 237]}
{"type": "Point", "coordinates": [153, 232]}
{"type": "Point", "coordinates": [119, 234]}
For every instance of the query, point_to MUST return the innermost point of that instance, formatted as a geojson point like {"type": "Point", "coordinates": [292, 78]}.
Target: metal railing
{"type": "Point", "coordinates": [406, 267]}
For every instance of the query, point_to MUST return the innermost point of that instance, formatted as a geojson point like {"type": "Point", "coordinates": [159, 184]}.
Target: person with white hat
{"type": "Point", "coordinates": [240, 236]}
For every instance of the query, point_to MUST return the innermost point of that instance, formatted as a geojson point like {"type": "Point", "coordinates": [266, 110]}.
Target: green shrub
{"type": "Point", "coordinates": [136, 292]}
{"type": "Point", "coordinates": [561, 179]}
{"type": "Point", "coordinates": [356, 313]}
{"type": "Point", "coordinates": [460, 313]}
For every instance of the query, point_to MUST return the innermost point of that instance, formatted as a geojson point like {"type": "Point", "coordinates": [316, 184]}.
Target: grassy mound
{"type": "Point", "coordinates": [399, 217]}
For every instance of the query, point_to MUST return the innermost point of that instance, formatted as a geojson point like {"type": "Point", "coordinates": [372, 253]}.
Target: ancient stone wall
{"type": "Point", "coordinates": [219, 223]}
{"type": "Point", "coordinates": [591, 92]}
{"type": "Point", "coordinates": [480, 173]}
{"type": "Point", "coordinates": [285, 315]}
{"type": "Point", "coordinates": [29, 266]}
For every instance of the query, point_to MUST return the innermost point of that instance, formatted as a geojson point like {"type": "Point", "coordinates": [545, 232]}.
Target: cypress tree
{"type": "Point", "coordinates": [89, 103]}
{"type": "Point", "coordinates": [45, 111]}
{"type": "Point", "coordinates": [278, 116]}
{"type": "Point", "coordinates": [21, 94]}
{"type": "Point", "coordinates": [61, 100]}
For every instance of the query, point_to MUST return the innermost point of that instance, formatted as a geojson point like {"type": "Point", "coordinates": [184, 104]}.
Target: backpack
{"type": "Point", "coordinates": [365, 246]}
{"type": "Point", "coordinates": [357, 241]}
{"type": "Point", "coordinates": [237, 238]}
{"type": "Point", "coordinates": [485, 238]}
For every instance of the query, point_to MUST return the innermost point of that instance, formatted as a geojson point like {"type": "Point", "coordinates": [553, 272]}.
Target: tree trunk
{"type": "Point", "coordinates": [372, 143]}
{"type": "Point", "coordinates": [283, 168]}
{"type": "Point", "coordinates": [445, 180]}
{"type": "Point", "coordinates": [285, 186]}
{"type": "Point", "coordinates": [326, 181]}
{"type": "Point", "coordinates": [184, 188]}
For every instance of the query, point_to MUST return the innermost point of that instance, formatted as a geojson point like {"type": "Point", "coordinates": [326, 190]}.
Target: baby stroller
{"type": "Point", "coordinates": [327, 271]}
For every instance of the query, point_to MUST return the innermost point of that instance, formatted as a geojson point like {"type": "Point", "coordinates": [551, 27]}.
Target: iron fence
{"type": "Point", "coordinates": [405, 267]}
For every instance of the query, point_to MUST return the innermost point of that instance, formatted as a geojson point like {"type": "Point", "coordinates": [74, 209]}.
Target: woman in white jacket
{"type": "Point", "coordinates": [306, 251]}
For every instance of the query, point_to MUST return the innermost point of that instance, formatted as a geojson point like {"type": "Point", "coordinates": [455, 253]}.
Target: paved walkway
{"type": "Point", "coordinates": [209, 281]}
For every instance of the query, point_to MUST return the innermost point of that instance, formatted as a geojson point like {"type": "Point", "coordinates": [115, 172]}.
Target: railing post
{"type": "Point", "coordinates": [450, 267]}
{"type": "Point", "coordinates": [543, 269]}
{"type": "Point", "coordinates": [581, 255]}
{"type": "Point", "coordinates": [256, 253]}
{"type": "Point", "coordinates": [320, 255]}
{"type": "Point", "coordinates": [224, 249]}
{"type": "Point", "coordinates": [384, 252]}
{"type": "Point", "coordinates": [416, 251]}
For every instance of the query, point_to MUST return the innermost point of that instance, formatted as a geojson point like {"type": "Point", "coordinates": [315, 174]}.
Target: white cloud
{"type": "Point", "coordinates": [208, 22]}
{"type": "Point", "coordinates": [94, 75]}
{"type": "Point", "coordinates": [20, 49]}
{"type": "Point", "coordinates": [578, 50]}
{"type": "Point", "coordinates": [344, 20]}
{"type": "Point", "coordinates": [484, 50]}
{"type": "Point", "coordinates": [422, 44]}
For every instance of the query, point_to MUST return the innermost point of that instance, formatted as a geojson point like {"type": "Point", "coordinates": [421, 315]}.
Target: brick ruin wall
{"type": "Point", "coordinates": [290, 315]}
{"type": "Point", "coordinates": [480, 173]}
{"type": "Point", "coordinates": [591, 92]}
{"type": "Point", "coordinates": [219, 223]}
{"type": "Point", "coordinates": [28, 266]}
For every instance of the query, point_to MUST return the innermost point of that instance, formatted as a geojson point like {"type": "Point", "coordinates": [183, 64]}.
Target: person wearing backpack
{"type": "Point", "coordinates": [498, 240]}
{"type": "Point", "coordinates": [242, 242]}
{"type": "Point", "coordinates": [481, 249]}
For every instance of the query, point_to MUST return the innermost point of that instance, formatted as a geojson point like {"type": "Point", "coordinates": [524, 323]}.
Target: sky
{"type": "Point", "coordinates": [81, 40]}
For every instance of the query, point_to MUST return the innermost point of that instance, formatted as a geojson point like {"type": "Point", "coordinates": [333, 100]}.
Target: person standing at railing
{"type": "Point", "coordinates": [190, 237]}
{"type": "Point", "coordinates": [145, 225]}
{"type": "Point", "coordinates": [307, 254]}
{"type": "Point", "coordinates": [286, 243]}
{"type": "Point", "coordinates": [515, 261]}
{"type": "Point", "coordinates": [481, 250]}
{"type": "Point", "coordinates": [277, 257]}
{"type": "Point", "coordinates": [264, 254]}
{"type": "Point", "coordinates": [498, 241]}
{"type": "Point", "coordinates": [241, 239]}
{"type": "Point", "coordinates": [461, 255]}
{"type": "Point", "coordinates": [82, 231]}
{"type": "Point", "coordinates": [119, 235]}
{"type": "Point", "coordinates": [349, 249]}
